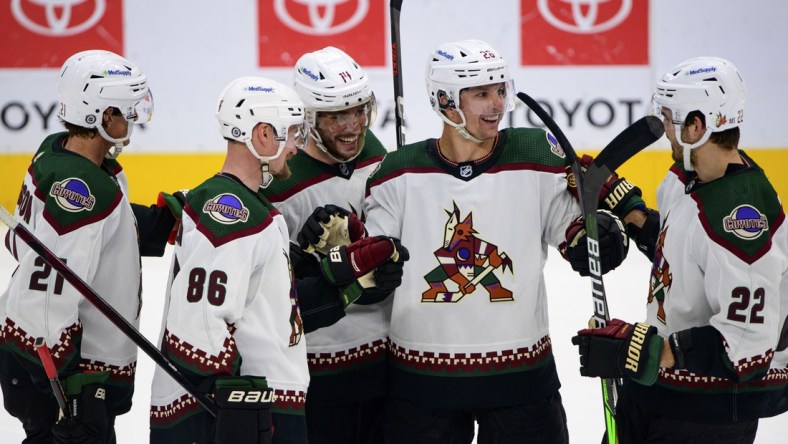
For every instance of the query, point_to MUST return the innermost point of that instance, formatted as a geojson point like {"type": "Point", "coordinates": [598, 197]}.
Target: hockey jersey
{"type": "Point", "coordinates": [347, 359]}
{"type": "Point", "coordinates": [81, 212]}
{"type": "Point", "coordinates": [469, 324]}
{"type": "Point", "coordinates": [720, 261]}
{"type": "Point", "coordinates": [231, 305]}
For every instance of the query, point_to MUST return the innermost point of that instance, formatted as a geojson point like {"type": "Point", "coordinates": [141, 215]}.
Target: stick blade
{"type": "Point", "coordinates": [629, 142]}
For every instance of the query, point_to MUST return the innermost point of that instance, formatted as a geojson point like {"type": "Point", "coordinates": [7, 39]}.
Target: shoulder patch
{"type": "Point", "coordinates": [555, 147]}
{"type": "Point", "coordinates": [226, 208]}
{"type": "Point", "coordinates": [73, 195]}
{"type": "Point", "coordinates": [739, 212]}
{"type": "Point", "coordinates": [745, 222]}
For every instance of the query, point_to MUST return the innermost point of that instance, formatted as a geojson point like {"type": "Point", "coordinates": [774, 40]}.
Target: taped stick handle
{"type": "Point", "coordinates": [49, 367]}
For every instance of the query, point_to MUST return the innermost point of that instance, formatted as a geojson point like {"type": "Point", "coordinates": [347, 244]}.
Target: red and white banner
{"type": "Point", "coordinates": [584, 32]}
{"type": "Point", "coordinates": [290, 28]}
{"type": "Point", "coordinates": [44, 33]}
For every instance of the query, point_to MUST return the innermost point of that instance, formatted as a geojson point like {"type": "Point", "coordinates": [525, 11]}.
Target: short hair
{"type": "Point", "coordinates": [728, 139]}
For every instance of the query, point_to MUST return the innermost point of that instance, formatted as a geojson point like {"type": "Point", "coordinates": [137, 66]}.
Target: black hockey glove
{"type": "Point", "coordinates": [88, 424]}
{"type": "Point", "coordinates": [620, 350]}
{"type": "Point", "coordinates": [388, 276]}
{"type": "Point", "coordinates": [244, 415]}
{"type": "Point", "coordinates": [618, 195]}
{"type": "Point", "coordinates": [304, 264]}
{"type": "Point", "coordinates": [175, 203]}
{"type": "Point", "coordinates": [613, 243]}
{"type": "Point", "coordinates": [328, 227]}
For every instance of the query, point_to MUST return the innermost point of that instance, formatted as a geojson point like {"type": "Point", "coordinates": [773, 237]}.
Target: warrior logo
{"type": "Point", "coordinates": [58, 15]}
{"type": "Point", "coordinates": [72, 195]}
{"type": "Point", "coordinates": [661, 277]}
{"type": "Point", "coordinates": [745, 222]}
{"type": "Point", "coordinates": [465, 262]}
{"type": "Point", "coordinates": [296, 325]}
{"type": "Point", "coordinates": [320, 24]}
{"type": "Point", "coordinates": [227, 209]}
{"type": "Point", "coordinates": [584, 23]}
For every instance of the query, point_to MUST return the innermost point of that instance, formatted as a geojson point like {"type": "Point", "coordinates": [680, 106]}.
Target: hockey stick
{"type": "Point", "coordinates": [49, 367]}
{"type": "Point", "coordinates": [395, 7]}
{"type": "Point", "coordinates": [629, 142]}
{"type": "Point", "coordinates": [106, 309]}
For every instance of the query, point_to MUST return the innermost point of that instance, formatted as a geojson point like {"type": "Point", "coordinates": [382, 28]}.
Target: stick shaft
{"type": "Point", "coordinates": [395, 8]}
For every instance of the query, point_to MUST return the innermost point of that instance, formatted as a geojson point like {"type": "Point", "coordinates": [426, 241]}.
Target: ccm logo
{"type": "Point", "coordinates": [251, 397]}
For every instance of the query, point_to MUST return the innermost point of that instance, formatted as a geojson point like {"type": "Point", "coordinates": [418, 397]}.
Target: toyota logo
{"type": "Point", "coordinates": [585, 23]}
{"type": "Point", "coordinates": [57, 25]}
{"type": "Point", "coordinates": [321, 24]}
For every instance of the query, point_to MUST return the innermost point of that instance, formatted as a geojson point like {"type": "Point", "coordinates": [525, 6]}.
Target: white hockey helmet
{"type": "Point", "coordinates": [329, 80]}
{"type": "Point", "coordinates": [248, 101]}
{"type": "Point", "coordinates": [710, 85]}
{"type": "Point", "coordinates": [92, 81]}
{"type": "Point", "coordinates": [455, 66]}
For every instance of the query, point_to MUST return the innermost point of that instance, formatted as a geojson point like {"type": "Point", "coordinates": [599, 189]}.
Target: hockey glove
{"type": "Point", "coordinates": [328, 227]}
{"type": "Point", "coordinates": [388, 276]}
{"type": "Point", "coordinates": [618, 195]}
{"type": "Point", "coordinates": [620, 350]}
{"type": "Point", "coordinates": [613, 243]}
{"type": "Point", "coordinates": [244, 414]}
{"type": "Point", "coordinates": [352, 266]}
{"type": "Point", "coordinates": [88, 423]}
{"type": "Point", "coordinates": [175, 203]}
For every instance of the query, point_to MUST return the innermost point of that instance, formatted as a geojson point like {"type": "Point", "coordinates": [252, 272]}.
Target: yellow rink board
{"type": "Point", "coordinates": [150, 173]}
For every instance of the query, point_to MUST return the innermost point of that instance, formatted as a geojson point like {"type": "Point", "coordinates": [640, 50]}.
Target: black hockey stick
{"type": "Point", "coordinates": [54, 382]}
{"type": "Point", "coordinates": [83, 288]}
{"type": "Point", "coordinates": [395, 7]}
{"type": "Point", "coordinates": [629, 142]}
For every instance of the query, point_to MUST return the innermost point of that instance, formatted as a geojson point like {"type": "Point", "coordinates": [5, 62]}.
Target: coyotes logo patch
{"type": "Point", "coordinates": [466, 262]}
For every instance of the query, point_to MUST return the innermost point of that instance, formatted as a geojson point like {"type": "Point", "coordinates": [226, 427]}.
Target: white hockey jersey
{"type": "Point", "coordinates": [347, 359]}
{"type": "Point", "coordinates": [231, 307]}
{"type": "Point", "coordinates": [81, 212]}
{"type": "Point", "coordinates": [469, 325]}
{"type": "Point", "coordinates": [720, 260]}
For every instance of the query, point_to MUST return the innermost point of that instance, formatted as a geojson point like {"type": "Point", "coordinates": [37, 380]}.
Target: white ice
{"type": "Point", "coordinates": [570, 308]}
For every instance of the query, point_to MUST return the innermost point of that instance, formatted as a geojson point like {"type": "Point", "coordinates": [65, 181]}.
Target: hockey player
{"type": "Point", "coordinates": [232, 322]}
{"type": "Point", "coordinates": [74, 198]}
{"type": "Point", "coordinates": [712, 356]}
{"type": "Point", "coordinates": [477, 208]}
{"type": "Point", "coordinates": [347, 361]}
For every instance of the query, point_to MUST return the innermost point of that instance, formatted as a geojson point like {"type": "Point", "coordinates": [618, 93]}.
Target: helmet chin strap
{"type": "Point", "coordinates": [689, 147]}
{"type": "Point", "coordinates": [265, 160]}
{"type": "Point", "coordinates": [460, 127]}
{"type": "Point", "coordinates": [115, 150]}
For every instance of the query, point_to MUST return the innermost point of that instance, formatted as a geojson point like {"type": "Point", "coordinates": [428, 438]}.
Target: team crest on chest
{"type": "Point", "coordinates": [72, 195]}
{"type": "Point", "coordinates": [745, 222]}
{"type": "Point", "coordinates": [467, 263]}
{"type": "Point", "coordinates": [226, 208]}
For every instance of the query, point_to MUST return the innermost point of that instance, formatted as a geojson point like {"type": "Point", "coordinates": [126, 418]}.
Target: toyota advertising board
{"type": "Point", "coordinates": [591, 63]}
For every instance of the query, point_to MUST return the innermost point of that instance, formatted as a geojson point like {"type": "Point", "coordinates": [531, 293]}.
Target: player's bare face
{"type": "Point", "coordinates": [483, 107]}
{"type": "Point", "coordinates": [341, 130]}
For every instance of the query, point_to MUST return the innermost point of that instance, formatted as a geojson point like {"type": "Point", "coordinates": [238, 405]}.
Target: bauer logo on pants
{"type": "Point", "coordinates": [44, 33]}
{"type": "Point", "coordinates": [290, 28]}
{"type": "Point", "coordinates": [584, 32]}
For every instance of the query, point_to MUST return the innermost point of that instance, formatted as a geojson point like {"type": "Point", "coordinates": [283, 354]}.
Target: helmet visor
{"type": "Point", "coordinates": [497, 98]}
{"type": "Point", "coordinates": [358, 116]}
